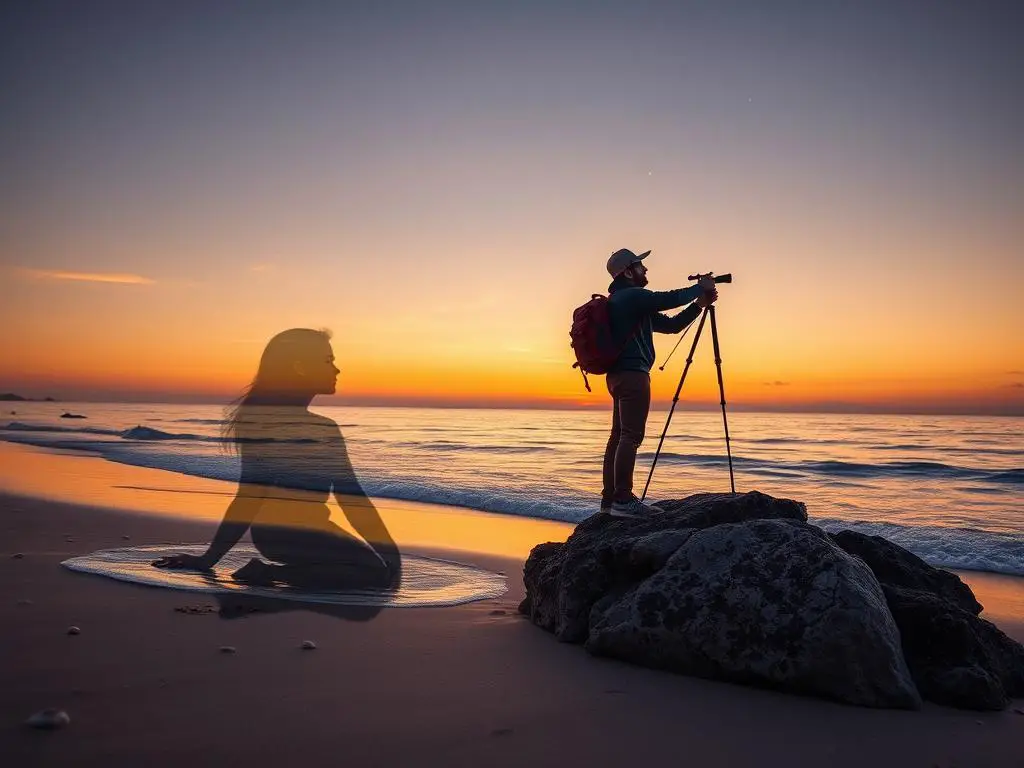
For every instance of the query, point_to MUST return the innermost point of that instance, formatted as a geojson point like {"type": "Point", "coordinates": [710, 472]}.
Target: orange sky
{"type": "Point", "coordinates": [443, 201]}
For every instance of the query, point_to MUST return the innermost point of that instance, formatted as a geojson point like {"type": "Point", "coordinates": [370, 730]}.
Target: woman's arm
{"type": "Point", "coordinates": [237, 519]}
{"type": "Point", "coordinates": [359, 508]}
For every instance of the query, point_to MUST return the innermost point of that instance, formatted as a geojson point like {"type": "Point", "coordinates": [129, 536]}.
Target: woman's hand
{"type": "Point", "coordinates": [393, 562]}
{"type": "Point", "coordinates": [184, 563]}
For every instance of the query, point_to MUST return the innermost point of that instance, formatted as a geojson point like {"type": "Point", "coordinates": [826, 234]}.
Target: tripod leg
{"type": "Point", "coordinates": [721, 392]}
{"type": "Point", "coordinates": [675, 399]}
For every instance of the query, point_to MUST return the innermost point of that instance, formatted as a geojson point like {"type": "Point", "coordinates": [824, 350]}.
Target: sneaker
{"type": "Point", "coordinates": [633, 507]}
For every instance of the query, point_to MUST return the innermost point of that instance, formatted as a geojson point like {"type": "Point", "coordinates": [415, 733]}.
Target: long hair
{"type": "Point", "coordinates": [277, 381]}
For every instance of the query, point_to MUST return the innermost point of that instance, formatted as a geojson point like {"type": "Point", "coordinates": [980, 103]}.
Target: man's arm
{"type": "Point", "coordinates": [674, 324]}
{"type": "Point", "coordinates": [239, 516]}
{"type": "Point", "coordinates": [641, 301]}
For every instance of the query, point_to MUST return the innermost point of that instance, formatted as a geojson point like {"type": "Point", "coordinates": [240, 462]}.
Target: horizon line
{"type": "Point", "coordinates": [838, 408]}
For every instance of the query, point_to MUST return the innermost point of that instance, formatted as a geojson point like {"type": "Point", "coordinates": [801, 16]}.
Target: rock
{"type": "Point", "coordinates": [957, 658]}
{"type": "Point", "coordinates": [126, 537]}
{"type": "Point", "coordinates": [741, 588]}
{"type": "Point", "coordinates": [703, 510]}
{"type": "Point", "coordinates": [24, 601]}
{"type": "Point", "coordinates": [1018, 711]}
{"type": "Point", "coordinates": [497, 612]}
{"type": "Point", "coordinates": [17, 556]}
{"type": "Point", "coordinates": [49, 719]}
{"type": "Point", "coordinates": [563, 581]}
{"type": "Point", "coordinates": [896, 567]}
{"type": "Point", "coordinates": [308, 645]}
{"type": "Point", "coordinates": [74, 630]}
{"type": "Point", "coordinates": [769, 602]}
{"type": "Point", "coordinates": [228, 649]}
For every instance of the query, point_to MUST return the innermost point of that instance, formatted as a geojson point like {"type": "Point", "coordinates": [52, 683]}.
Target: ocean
{"type": "Point", "coordinates": [948, 488]}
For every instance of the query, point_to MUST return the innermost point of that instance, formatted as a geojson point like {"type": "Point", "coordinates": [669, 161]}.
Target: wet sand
{"type": "Point", "coordinates": [146, 684]}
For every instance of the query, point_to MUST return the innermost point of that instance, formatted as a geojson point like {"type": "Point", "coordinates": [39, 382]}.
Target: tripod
{"type": "Point", "coordinates": [709, 311]}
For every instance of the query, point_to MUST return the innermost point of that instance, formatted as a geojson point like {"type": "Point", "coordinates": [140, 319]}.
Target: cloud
{"type": "Point", "coordinates": [776, 383]}
{"type": "Point", "coordinates": [262, 268]}
{"type": "Point", "coordinates": [91, 277]}
{"type": "Point", "coordinates": [1016, 373]}
{"type": "Point", "coordinates": [1016, 385]}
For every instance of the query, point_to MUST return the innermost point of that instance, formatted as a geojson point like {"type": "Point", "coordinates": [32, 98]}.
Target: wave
{"type": "Point", "coordinates": [148, 433]}
{"type": "Point", "coordinates": [950, 449]}
{"type": "Point", "coordinates": [143, 433]}
{"type": "Point", "coordinates": [17, 426]}
{"type": "Point", "coordinates": [1013, 476]}
{"type": "Point", "coordinates": [832, 467]}
{"type": "Point", "coordinates": [448, 445]}
{"type": "Point", "coordinates": [958, 548]}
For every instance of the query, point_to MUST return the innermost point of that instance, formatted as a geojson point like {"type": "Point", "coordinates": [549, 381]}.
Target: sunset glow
{"type": "Point", "coordinates": [444, 200]}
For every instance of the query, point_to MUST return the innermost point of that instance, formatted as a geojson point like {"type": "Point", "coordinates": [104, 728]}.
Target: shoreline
{"type": "Point", "coordinates": [28, 471]}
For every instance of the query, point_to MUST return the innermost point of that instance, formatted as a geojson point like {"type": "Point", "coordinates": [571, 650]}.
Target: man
{"type": "Point", "coordinates": [635, 313]}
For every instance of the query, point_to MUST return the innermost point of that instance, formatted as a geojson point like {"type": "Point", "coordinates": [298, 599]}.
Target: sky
{"type": "Point", "coordinates": [441, 184]}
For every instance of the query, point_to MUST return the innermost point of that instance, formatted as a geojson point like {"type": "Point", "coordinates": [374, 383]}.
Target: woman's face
{"type": "Point", "coordinates": [322, 373]}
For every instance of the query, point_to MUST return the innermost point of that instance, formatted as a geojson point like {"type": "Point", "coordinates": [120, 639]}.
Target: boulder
{"type": "Point", "coordinates": [955, 657]}
{"type": "Point", "coordinates": [563, 581]}
{"type": "Point", "coordinates": [894, 566]}
{"type": "Point", "coordinates": [739, 587]}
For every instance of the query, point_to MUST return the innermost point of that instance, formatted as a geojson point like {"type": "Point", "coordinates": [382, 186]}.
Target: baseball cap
{"type": "Point", "coordinates": [624, 258]}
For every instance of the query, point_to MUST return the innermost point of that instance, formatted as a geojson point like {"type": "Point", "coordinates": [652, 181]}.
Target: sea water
{"type": "Point", "coordinates": [949, 488]}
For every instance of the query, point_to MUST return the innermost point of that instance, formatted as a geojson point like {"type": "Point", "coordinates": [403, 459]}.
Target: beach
{"type": "Point", "coordinates": [313, 305]}
{"type": "Point", "coordinates": [145, 682]}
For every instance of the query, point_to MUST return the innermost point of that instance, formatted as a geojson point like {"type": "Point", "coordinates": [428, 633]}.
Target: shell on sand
{"type": "Point", "coordinates": [49, 719]}
{"type": "Point", "coordinates": [228, 649]}
{"type": "Point", "coordinates": [308, 645]}
{"type": "Point", "coordinates": [73, 630]}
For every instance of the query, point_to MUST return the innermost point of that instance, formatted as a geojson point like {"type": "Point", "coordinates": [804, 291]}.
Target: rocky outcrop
{"type": "Point", "coordinates": [742, 588]}
{"type": "Point", "coordinates": [894, 566]}
{"type": "Point", "coordinates": [955, 657]}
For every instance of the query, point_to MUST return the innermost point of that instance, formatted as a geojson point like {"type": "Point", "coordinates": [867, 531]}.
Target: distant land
{"type": "Point", "coordinates": [11, 397]}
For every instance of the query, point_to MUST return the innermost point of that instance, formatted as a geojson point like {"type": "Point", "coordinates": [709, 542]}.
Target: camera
{"type": "Point", "coordinates": [726, 278]}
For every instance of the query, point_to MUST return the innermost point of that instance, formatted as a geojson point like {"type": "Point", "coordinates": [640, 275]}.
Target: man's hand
{"type": "Point", "coordinates": [707, 284]}
{"type": "Point", "coordinates": [184, 563]}
{"type": "Point", "coordinates": [707, 298]}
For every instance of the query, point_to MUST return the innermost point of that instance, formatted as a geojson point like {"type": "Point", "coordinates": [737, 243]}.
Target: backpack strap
{"type": "Point", "coordinates": [584, 373]}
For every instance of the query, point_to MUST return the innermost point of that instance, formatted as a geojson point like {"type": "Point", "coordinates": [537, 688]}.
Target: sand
{"type": "Point", "coordinates": [145, 682]}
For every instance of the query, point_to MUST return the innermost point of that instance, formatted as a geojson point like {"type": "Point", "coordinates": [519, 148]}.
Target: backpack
{"type": "Point", "coordinates": [591, 338]}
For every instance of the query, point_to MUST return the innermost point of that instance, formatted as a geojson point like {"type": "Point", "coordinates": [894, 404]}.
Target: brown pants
{"type": "Point", "coordinates": [631, 401]}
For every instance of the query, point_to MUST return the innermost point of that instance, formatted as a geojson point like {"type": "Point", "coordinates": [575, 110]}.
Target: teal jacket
{"type": "Point", "coordinates": [632, 308]}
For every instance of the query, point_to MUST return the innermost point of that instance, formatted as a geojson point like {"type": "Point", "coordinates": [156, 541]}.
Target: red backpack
{"type": "Point", "coordinates": [591, 338]}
